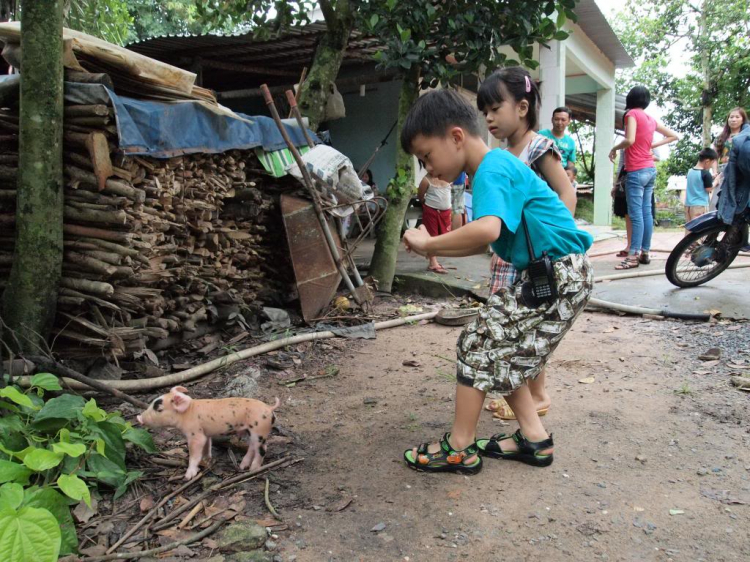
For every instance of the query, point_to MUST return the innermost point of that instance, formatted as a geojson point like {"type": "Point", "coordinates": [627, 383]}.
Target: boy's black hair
{"type": "Point", "coordinates": [434, 113]}
{"type": "Point", "coordinates": [638, 97]}
{"type": "Point", "coordinates": [515, 82]}
{"type": "Point", "coordinates": [572, 168]}
{"type": "Point", "coordinates": [563, 109]}
{"type": "Point", "coordinates": [708, 154]}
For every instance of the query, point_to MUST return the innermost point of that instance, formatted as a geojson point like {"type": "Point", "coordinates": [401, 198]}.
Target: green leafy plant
{"type": "Point", "coordinates": [52, 454]}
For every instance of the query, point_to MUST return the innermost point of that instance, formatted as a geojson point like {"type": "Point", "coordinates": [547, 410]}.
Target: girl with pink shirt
{"type": "Point", "coordinates": [641, 171]}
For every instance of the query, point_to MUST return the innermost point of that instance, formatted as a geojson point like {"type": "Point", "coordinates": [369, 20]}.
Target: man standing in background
{"type": "Point", "coordinates": [560, 121]}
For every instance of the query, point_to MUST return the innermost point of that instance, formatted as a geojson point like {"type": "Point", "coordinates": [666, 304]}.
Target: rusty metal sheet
{"type": "Point", "coordinates": [314, 269]}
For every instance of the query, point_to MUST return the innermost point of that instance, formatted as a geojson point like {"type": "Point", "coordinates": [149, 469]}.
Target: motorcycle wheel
{"type": "Point", "coordinates": [699, 257]}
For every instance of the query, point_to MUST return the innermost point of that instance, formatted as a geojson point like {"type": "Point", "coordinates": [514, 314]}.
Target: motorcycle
{"type": "Point", "coordinates": [708, 249]}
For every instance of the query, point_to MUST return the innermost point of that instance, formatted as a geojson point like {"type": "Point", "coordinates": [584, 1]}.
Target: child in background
{"type": "Point", "coordinates": [510, 101]}
{"type": "Point", "coordinates": [699, 185]}
{"type": "Point", "coordinates": [516, 330]}
{"type": "Point", "coordinates": [435, 196]}
{"type": "Point", "coordinates": [572, 173]}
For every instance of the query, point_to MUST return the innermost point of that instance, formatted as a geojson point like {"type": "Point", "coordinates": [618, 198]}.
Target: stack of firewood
{"type": "Point", "coordinates": [154, 250]}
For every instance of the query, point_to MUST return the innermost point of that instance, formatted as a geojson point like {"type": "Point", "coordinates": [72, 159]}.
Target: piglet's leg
{"type": "Point", "coordinates": [252, 452]}
{"type": "Point", "coordinates": [207, 453]}
{"type": "Point", "coordinates": [196, 444]}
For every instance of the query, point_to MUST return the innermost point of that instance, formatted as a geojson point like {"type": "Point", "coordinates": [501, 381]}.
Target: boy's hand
{"type": "Point", "coordinates": [415, 240]}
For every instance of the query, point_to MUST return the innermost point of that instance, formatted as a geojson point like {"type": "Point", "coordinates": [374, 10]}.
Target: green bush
{"type": "Point", "coordinates": [52, 453]}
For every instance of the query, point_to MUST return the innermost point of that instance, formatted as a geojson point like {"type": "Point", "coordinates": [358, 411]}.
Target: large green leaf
{"type": "Point", "coordinates": [46, 381]}
{"type": "Point", "coordinates": [105, 470]}
{"type": "Point", "coordinates": [74, 487]}
{"type": "Point", "coordinates": [29, 534]}
{"type": "Point", "coordinates": [65, 407]}
{"type": "Point", "coordinates": [42, 459]}
{"type": "Point", "coordinates": [72, 449]}
{"type": "Point", "coordinates": [57, 504]}
{"type": "Point", "coordinates": [112, 436]}
{"type": "Point", "coordinates": [130, 477]}
{"type": "Point", "coordinates": [11, 495]}
{"type": "Point", "coordinates": [11, 423]}
{"type": "Point", "coordinates": [13, 394]}
{"type": "Point", "coordinates": [140, 437]}
{"type": "Point", "coordinates": [91, 410]}
{"type": "Point", "coordinates": [13, 472]}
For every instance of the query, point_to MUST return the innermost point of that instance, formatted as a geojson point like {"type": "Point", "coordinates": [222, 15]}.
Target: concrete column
{"type": "Point", "coordinates": [605, 133]}
{"type": "Point", "coordinates": [552, 76]}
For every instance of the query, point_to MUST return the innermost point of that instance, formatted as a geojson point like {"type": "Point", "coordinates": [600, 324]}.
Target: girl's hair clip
{"type": "Point", "coordinates": [528, 84]}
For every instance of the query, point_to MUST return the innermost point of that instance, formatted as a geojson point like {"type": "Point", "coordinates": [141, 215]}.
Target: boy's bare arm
{"type": "Point", "coordinates": [462, 242]}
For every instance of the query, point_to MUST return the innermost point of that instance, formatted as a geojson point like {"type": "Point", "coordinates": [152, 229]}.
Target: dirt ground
{"type": "Point", "coordinates": [651, 459]}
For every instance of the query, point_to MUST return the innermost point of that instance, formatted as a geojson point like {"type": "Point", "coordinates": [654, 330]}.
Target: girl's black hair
{"type": "Point", "coordinates": [638, 97]}
{"type": "Point", "coordinates": [516, 83]}
{"type": "Point", "coordinates": [436, 112]}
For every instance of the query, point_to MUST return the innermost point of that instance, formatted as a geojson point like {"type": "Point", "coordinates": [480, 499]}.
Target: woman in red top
{"type": "Point", "coordinates": [639, 164]}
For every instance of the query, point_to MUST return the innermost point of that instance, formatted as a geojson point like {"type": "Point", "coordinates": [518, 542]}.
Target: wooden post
{"type": "Point", "coordinates": [30, 300]}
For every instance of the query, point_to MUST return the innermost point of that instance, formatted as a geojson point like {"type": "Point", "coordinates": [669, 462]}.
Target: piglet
{"type": "Point", "coordinates": [200, 420]}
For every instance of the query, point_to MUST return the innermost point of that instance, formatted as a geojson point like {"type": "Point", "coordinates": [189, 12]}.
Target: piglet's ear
{"type": "Point", "coordinates": [179, 389]}
{"type": "Point", "coordinates": [180, 401]}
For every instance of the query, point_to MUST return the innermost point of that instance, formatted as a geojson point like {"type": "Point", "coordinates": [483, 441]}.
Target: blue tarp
{"type": "Point", "coordinates": [167, 129]}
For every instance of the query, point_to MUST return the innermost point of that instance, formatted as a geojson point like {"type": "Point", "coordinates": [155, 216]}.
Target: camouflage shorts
{"type": "Point", "coordinates": [509, 343]}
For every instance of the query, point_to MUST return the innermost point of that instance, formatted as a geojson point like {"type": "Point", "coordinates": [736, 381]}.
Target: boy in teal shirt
{"type": "Point", "coordinates": [514, 333]}
{"type": "Point", "coordinates": [565, 143]}
{"type": "Point", "coordinates": [699, 185]}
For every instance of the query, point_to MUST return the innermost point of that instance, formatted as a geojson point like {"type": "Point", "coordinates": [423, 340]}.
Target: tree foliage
{"type": "Point", "coordinates": [715, 40]}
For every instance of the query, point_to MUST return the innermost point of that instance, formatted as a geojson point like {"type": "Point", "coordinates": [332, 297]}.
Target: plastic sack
{"type": "Point", "coordinates": [335, 176]}
{"type": "Point", "coordinates": [335, 108]}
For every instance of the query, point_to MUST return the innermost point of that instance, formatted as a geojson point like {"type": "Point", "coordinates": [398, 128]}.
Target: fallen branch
{"type": "Point", "coordinates": [56, 368]}
{"type": "Point", "coordinates": [225, 361]}
{"type": "Point", "coordinates": [743, 383]}
{"type": "Point", "coordinates": [268, 501]}
{"type": "Point", "coordinates": [165, 548]}
{"type": "Point", "coordinates": [190, 516]}
{"type": "Point", "coordinates": [152, 512]}
{"type": "Point", "coordinates": [164, 523]}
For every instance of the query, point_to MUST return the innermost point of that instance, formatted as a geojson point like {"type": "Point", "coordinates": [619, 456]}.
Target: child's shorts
{"type": "Point", "coordinates": [436, 222]}
{"type": "Point", "coordinates": [509, 343]}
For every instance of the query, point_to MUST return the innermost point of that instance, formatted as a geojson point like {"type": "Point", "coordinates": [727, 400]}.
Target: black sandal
{"type": "Point", "coordinates": [644, 258]}
{"type": "Point", "coordinates": [447, 459]}
{"type": "Point", "coordinates": [528, 451]}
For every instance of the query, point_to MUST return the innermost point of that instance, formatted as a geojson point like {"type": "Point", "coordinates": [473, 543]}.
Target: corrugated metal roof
{"type": "Point", "coordinates": [584, 108]}
{"type": "Point", "coordinates": [592, 21]}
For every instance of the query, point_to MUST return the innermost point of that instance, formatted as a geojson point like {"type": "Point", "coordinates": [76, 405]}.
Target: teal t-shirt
{"type": "Point", "coordinates": [566, 145]}
{"type": "Point", "coordinates": [697, 183]}
{"type": "Point", "coordinates": [503, 187]}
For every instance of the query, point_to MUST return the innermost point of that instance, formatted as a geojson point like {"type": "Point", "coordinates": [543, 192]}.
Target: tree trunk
{"type": "Point", "coordinates": [29, 301]}
{"type": "Point", "coordinates": [327, 60]}
{"type": "Point", "coordinates": [708, 94]}
{"type": "Point", "coordinates": [400, 191]}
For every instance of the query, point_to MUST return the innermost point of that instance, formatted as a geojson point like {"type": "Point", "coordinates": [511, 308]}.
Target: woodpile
{"type": "Point", "coordinates": [155, 251]}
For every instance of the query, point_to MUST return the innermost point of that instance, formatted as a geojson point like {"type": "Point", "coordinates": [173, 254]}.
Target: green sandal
{"type": "Point", "coordinates": [447, 459]}
{"type": "Point", "coordinates": [528, 451]}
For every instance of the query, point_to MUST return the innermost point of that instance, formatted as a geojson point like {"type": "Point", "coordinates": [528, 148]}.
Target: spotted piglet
{"type": "Point", "coordinates": [200, 420]}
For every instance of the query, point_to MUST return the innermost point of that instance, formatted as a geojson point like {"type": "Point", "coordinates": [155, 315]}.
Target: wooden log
{"type": "Point", "coordinates": [91, 232]}
{"type": "Point", "coordinates": [90, 110]}
{"type": "Point", "coordinates": [107, 257]}
{"type": "Point", "coordinates": [87, 286]}
{"type": "Point", "coordinates": [94, 215]}
{"type": "Point", "coordinates": [96, 300]}
{"type": "Point", "coordinates": [92, 122]}
{"type": "Point", "coordinates": [89, 78]}
{"type": "Point", "coordinates": [9, 90]}
{"type": "Point", "coordinates": [89, 263]}
{"type": "Point", "coordinates": [111, 186]}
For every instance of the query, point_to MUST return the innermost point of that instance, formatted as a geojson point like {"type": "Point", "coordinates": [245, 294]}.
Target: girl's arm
{"type": "Point", "coordinates": [465, 241]}
{"type": "Point", "coordinates": [669, 136]}
{"type": "Point", "coordinates": [424, 185]}
{"type": "Point", "coordinates": [627, 141]}
{"type": "Point", "coordinates": [558, 180]}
